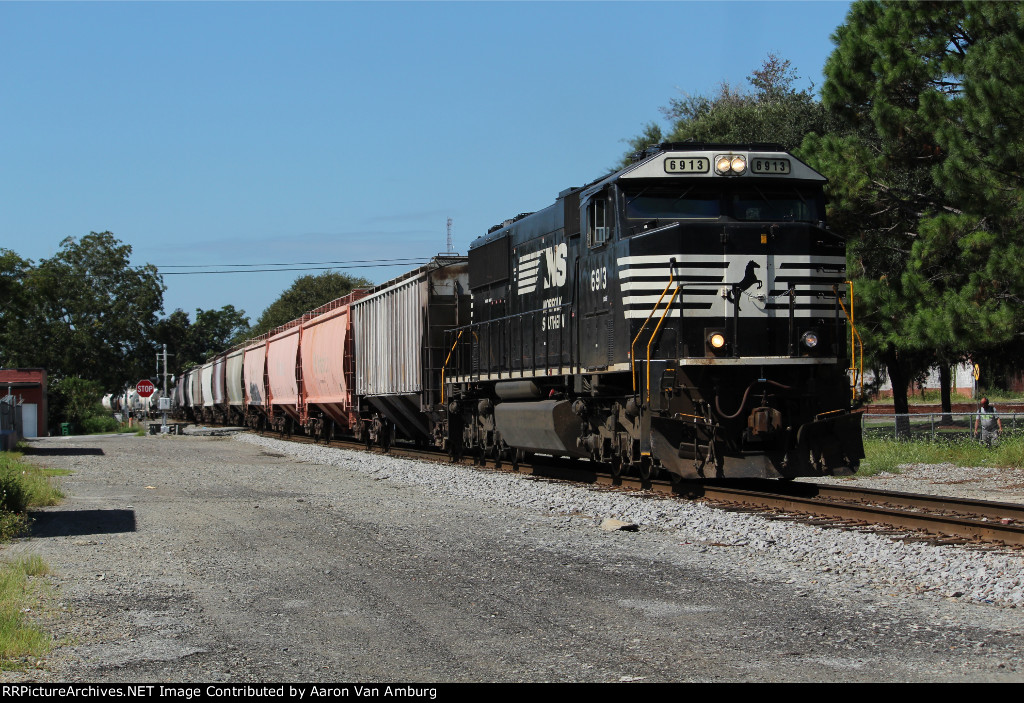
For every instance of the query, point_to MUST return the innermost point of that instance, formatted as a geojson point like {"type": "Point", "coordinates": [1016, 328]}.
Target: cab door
{"type": "Point", "coordinates": [597, 280]}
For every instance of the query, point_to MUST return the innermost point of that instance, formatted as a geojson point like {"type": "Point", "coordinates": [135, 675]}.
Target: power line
{"type": "Point", "coordinates": [296, 266]}
{"type": "Point", "coordinates": [301, 263]}
{"type": "Point", "coordinates": [418, 262]}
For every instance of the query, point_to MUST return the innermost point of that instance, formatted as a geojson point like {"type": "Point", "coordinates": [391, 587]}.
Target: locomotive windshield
{"type": "Point", "coordinates": [775, 203]}
{"type": "Point", "coordinates": [771, 202]}
{"type": "Point", "coordinates": [671, 202]}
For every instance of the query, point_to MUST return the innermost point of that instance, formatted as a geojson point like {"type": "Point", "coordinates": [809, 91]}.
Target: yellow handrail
{"type": "Point", "coordinates": [632, 347]}
{"type": "Point", "coordinates": [858, 369]}
{"type": "Point", "coordinates": [444, 366]}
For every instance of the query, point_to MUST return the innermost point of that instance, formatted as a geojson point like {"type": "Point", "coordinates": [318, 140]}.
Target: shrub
{"type": "Point", "coordinates": [100, 423]}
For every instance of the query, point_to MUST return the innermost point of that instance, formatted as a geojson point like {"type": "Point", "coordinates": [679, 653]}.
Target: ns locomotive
{"type": "Point", "coordinates": [683, 314]}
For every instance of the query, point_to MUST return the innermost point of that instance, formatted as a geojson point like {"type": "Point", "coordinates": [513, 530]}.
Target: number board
{"type": "Point", "coordinates": [687, 164]}
{"type": "Point", "coordinates": [769, 166]}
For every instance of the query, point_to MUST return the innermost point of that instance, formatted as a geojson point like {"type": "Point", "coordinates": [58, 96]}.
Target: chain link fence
{"type": "Point", "coordinates": [933, 427]}
{"type": "Point", "coordinates": [10, 414]}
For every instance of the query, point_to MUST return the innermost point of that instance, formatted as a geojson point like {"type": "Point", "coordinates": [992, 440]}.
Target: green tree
{"type": "Point", "coordinates": [75, 400]}
{"type": "Point", "coordinates": [774, 111]}
{"type": "Point", "coordinates": [89, 313]}
{"type": "Point", "coordinates": [189, 343]}
{"type": "Point", "coordinates": [305, 294]}
{"type": "Point", "coordinates": [925, 172]}
{"type": "Point", "coordinates": [13, 306]}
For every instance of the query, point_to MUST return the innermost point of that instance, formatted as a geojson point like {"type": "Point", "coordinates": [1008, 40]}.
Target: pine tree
{"type": "Point", "coordinates": [925, 175]}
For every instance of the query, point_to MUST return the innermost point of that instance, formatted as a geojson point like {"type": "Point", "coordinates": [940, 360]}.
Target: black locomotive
{"type": "Point", "coordinates": [682, 314]}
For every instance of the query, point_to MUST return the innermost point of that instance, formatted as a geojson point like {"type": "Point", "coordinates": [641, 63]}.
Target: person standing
{"type": "Point", "coordinates": [989, 422]}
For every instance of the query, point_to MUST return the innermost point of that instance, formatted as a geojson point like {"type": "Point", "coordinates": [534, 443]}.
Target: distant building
{"type": "Point", "coordinates": [28, 386]}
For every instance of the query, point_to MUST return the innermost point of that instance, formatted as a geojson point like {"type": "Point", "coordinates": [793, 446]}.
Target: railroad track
{"type": "Point", "coordinates": [947, 519]}
{"type": "Point", "coordinates": [943, 519]}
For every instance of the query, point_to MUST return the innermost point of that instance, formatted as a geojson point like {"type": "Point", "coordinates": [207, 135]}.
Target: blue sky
{"type": "Point", "coordinates": [221, 133]}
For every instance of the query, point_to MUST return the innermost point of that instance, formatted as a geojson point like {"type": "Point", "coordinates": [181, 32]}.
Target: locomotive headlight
{"type": "Point", "coordinates": [717, 340]}
{"type": "Point", "coordinates": [809, 340]}
{"type": "Point", "coordinates": [730, 165]}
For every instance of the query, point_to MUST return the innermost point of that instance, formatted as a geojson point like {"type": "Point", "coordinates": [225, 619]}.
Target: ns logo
{"type": "Point", "coordinates": [529, 267]}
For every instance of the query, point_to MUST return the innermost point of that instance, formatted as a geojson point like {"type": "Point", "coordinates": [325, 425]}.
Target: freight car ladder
{"type": "Point", "coordinates": [442, 316]}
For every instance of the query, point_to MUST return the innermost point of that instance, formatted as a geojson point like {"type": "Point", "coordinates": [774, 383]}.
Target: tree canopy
{"type": "Point", "coordinates": [773, 111]}
{"type": "Point", "coordinates": [925, 175]}
{"type": "Point", "coordinates": [190, 343]}
{"type": "Point", "coordinates": [305, 294]}
{"type": "Point", "coordinates": [84, 312]}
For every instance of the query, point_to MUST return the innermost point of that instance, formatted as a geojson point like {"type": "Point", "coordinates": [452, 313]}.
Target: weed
{"type": "Point", "coordinates": [20, 640]}
{"type": "Point", "coordinates": [888, 454]}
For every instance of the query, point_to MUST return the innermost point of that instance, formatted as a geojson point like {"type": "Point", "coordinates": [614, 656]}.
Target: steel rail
{"type": "Point", "coordinates": [933, 523]}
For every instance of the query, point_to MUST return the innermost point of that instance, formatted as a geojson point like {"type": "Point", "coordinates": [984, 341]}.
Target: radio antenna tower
{"type": "Point", "coordinates": [450, 250]}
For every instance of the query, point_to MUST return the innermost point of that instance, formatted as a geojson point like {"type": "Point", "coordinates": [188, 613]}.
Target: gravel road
{"type": "Point", "coordinates": [245, 559]}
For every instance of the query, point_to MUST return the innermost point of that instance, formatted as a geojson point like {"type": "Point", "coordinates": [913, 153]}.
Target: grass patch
{"type": "Point", "coordinates": [23, 485]}
{"type": "Point", "coordinates": [21, 642]}
{"type": "Point", "coordinates": [933, 396]}
{"type": "Point", "coordinates": [886, 455]}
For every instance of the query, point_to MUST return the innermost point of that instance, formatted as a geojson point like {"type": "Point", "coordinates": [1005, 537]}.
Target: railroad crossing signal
{"type": "Point", "coordinates": [145, 388]}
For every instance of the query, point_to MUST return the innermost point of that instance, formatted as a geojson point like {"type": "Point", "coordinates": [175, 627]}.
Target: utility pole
{"type": "Point", "coordinates": [165, 399]}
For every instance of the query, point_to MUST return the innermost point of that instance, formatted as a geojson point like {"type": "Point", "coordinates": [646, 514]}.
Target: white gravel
{"type": "Point", "coordinates": [832, 560]}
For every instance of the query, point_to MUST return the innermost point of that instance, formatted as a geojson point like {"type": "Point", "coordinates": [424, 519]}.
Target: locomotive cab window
{"type": "Point", "coordinates": [674, 203]}
{"type": "Point", "coordinates": [600, 222]}
{"type": "Point", "coordinates": [775, 203]}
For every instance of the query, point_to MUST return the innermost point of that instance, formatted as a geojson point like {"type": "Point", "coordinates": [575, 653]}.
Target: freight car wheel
{"type": "Point", "coordinates": [645, 469]}
{"type": "Point", "coordinates": [616, 467]}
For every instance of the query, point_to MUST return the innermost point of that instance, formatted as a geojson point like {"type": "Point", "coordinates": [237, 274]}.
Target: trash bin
{"type": "Point", "coordinates": [65, 428]}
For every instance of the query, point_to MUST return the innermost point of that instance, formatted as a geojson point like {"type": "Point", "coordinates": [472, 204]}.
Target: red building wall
{"type": "Point", "coordinates": [29, 386]}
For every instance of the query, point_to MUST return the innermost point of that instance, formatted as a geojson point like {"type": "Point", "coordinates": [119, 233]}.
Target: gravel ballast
{"type": "Point", "coordinates": [245, 558]}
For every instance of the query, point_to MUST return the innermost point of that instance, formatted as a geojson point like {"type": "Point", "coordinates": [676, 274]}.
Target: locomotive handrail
{"type": "Point", "coordinates": [858, 370]}
{"type": "Point", "coordinates": [444, 366]}
{"type": "Point", "coordinates": [505, 336]}
{"type": "Point", "coordinates": [632, 347]}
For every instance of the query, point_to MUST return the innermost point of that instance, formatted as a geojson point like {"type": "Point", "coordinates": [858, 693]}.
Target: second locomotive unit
{"type": "Point", "coordinates": [683, 314]}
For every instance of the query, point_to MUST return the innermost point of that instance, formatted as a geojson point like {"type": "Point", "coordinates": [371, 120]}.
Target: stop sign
{"type": "Point", "coordinates": [145, 388]}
